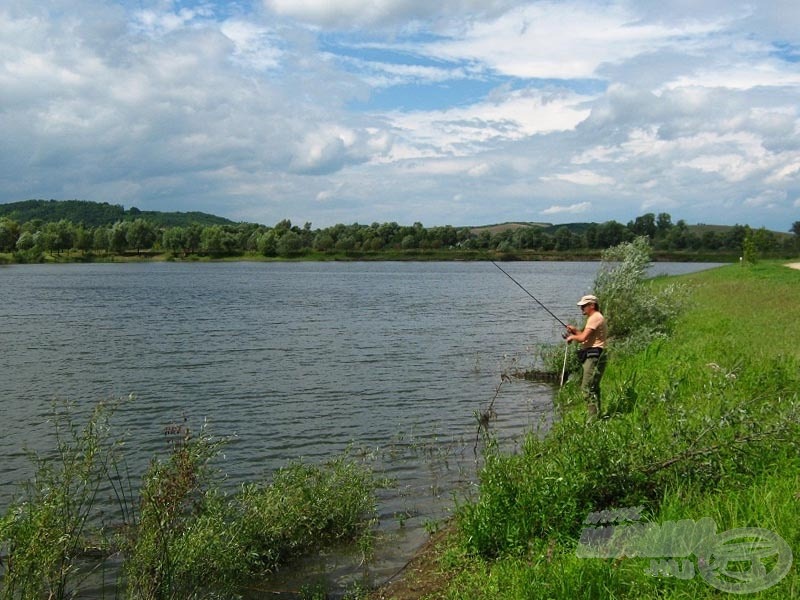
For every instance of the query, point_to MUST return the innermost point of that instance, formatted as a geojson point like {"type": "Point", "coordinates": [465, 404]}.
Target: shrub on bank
{"type": "Point", "coordinates": [702, 423]}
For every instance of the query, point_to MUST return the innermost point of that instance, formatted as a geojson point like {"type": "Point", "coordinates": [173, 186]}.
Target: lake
{"type": "Point", "coordinates": [292, 360]}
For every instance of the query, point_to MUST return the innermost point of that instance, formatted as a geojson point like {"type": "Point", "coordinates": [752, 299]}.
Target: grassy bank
{"type": "Point", "coordinates": [701, 425]}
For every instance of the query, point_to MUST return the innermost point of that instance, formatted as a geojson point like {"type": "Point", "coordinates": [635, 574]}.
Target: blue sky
{"type": "Point", "coordinates": [461, 112]}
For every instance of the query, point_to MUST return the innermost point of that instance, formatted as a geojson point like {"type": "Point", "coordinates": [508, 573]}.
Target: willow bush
{"type": "Point", "coordinates": [633, 308]}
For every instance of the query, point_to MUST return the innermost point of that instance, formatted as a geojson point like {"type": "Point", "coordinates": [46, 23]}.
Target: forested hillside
{"type": "Point", "coordinates": [95, 214]}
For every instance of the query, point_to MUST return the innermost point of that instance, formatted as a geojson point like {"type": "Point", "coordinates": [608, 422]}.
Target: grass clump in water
{"type": "Point", "coordinates": [180, 536]}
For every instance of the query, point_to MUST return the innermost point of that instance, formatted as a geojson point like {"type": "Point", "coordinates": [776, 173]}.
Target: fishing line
{"type": "Point", "coordinates": [529, 294]}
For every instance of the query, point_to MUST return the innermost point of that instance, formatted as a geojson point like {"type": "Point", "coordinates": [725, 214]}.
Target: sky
{"type": "Point", "coordinates": [453, 112]}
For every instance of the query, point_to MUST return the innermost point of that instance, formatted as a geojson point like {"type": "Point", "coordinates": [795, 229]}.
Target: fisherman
{"type": "Point", "coordinates": [592, 351]}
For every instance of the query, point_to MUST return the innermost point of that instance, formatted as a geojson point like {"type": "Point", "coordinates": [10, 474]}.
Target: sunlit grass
{"type": "Point", "coordinates": [703, 423]}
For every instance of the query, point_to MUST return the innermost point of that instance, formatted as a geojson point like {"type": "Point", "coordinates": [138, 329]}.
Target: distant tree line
{"type": "Point", "coordinates": [29, 240]}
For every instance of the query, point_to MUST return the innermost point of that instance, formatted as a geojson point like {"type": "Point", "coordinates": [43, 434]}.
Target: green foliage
{"type": "Point", "coordinates": [186, 539]}
{"type": "Point", "coordinates": [37, 226]}
{"type": "Point", "coordinates": [96, 214]}
{"type": "Point", "coordinates": [305, 506]}
{"type": "Point", "coordinates": [630, 305]}
{"type": "Point", "coordinates": [703, 423]}
{"type": "Point", "coordinates": [192, 539]}
{"type": "Point", "coordinates": [45, 534]}
{"type": "Point", "coordinates": [750, 249]}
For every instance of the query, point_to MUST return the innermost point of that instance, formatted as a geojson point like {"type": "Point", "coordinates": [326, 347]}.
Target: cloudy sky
{"type": "Point", "coordinates": [461, 112]}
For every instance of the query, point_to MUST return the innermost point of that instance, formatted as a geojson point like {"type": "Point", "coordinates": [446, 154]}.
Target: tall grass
{"type": "Point", "coordinates": [44, 536]}
{"type": "Point", "coordinates": [702, 423]}
{"type": "Point", "coordinates": [179, 536]}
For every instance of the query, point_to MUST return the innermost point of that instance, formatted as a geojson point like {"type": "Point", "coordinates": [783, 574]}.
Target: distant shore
{"type": "Point", "coordinates": [389, 256]}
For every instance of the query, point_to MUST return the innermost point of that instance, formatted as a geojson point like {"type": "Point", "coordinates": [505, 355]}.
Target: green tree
{"type": "Point", "coordinates": [9, 234]}
{"type": "Point", "coordinates": [174, 239]}
{"type": "Point", "coordinates": [563, 238]}
{"type": "Point", "coordinates": [346, 243]}
{"type": "Point", "coordinates": [644, 225]}
{"type": "Point", "coordinates": [217, 241]}
{"type": "Point", "coordinates": [749, 248]}
{"type": "Point", "coordinates": [118, 237]}
{"type": "Point", "coordinates": [268, 243]}
{"type": "Point", "coordinates": [57, 237]}
{"type": "Point", "coordinates": [83, 239]}
{"type": "Point", "coordinates": [26, 241]}
{"type": "Point", "coordinates": [663, 224]}
{"type": "Point", "coordinates": [289, 244]}
{"type": "Point", "coordinates": [100, 239]}
{"type": "Point", "coordinates": [140, 234]}
{"type": "Point", "coordinates": [323, 242]}
{"type": "Point", "coordinates": [611, 233]}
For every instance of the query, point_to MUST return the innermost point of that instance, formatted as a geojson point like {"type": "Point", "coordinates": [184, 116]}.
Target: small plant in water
{"type": "Point", "coordinates": [46, 535]}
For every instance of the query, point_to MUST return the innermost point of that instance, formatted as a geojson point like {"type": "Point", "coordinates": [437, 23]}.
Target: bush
{"type": "Point", "coordinates": [307, 506]}
{"type": "Point", "coordinates": [45, 536]}
{"type": "Point", "coordinates": [187, 539]}
{"type": "Point", "coordinates": [632, 307]}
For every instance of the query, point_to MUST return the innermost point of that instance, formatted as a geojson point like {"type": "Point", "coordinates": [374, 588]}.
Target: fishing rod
{"type": "Point", "coordinates": [529, 294]}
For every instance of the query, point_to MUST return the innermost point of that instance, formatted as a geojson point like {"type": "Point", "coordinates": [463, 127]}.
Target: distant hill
{"type": "Point", "coordinates": [94, 214]}
{"type": "Point", "coordinates": [580, 228]}
{"type": "Point", "coordinates": [499, 227]}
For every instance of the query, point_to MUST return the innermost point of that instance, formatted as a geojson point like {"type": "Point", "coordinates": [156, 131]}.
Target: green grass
{"type": "Point", "coordinates": [701, 424]}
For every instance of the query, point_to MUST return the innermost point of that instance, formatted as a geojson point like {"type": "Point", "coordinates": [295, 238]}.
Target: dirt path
{"type": "Point", "coordinates": [793, 265]}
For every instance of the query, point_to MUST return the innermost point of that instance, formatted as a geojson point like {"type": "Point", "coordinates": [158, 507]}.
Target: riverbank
{"type": "Point", "coordinates": [701, 427]}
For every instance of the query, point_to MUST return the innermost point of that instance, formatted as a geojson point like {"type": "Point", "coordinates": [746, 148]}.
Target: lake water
{"type": "Point", "coordinates": [293, 360]}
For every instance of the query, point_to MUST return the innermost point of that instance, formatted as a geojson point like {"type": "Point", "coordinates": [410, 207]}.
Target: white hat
{"type": "Point", "coordinates": [587, 299]}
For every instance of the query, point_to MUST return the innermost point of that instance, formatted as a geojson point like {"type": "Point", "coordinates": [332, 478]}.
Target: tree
{"type": "Point", "coordinates": [9, 234]}
{"type": "Point", "coordinates": [289, 244]}
{"type": "Point", "coordinates": [796, 231]}
{"type": "Point", "coordinates": [633, 308]}
{"type": "Point", "coordinates": [141, 234]}
{"type": "Point", "coordinates": [57, 237]}
{"type": "Point", "coordinates": [612, 233]}
{"type": "Point", "coordinates": [644, 225]}
{"type": "Point", "coordinates": [174, 239]}
{"type": "Point", "coordinates": [663, 224]}
{"type": "Point", "coordinates": [26, 241]}
{"type": "Point", "coordinates": [323, 242]}
{"type": "Point", "coordinates": [563, 238]}
{"type": "Point", "coordinates": [749, 249]}
{"type": "Point", "coordinates": [100, 239]}
{"type": "Point", "coordinates": [83, 239]}
{"type": "Point", "coordinates": [268, 243]}
{"type": "Point", "coordinates": [118, 237]}
{"type": "Point", "coordinates": [217, 241]}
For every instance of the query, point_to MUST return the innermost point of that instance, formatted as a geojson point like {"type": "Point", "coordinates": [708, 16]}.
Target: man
{"type": "Point", "coordinates": [592, 352]}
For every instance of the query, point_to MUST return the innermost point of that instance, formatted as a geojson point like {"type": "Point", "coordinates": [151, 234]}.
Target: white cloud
{"type": "Point", "coordinates": [259, 115]}
{"type": "Point", "coordinates": [560, 40]}
{"type": "Point", "coordinates": [573, 209]}
{"type": "Point", "coordinates": [768, 200]}
{"type": "Point", "coordinates": [463, 131]}
{"type": "Point", "coordinates": [347, 14]}
{"type": "Point", "coordinates": [584, 177]}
